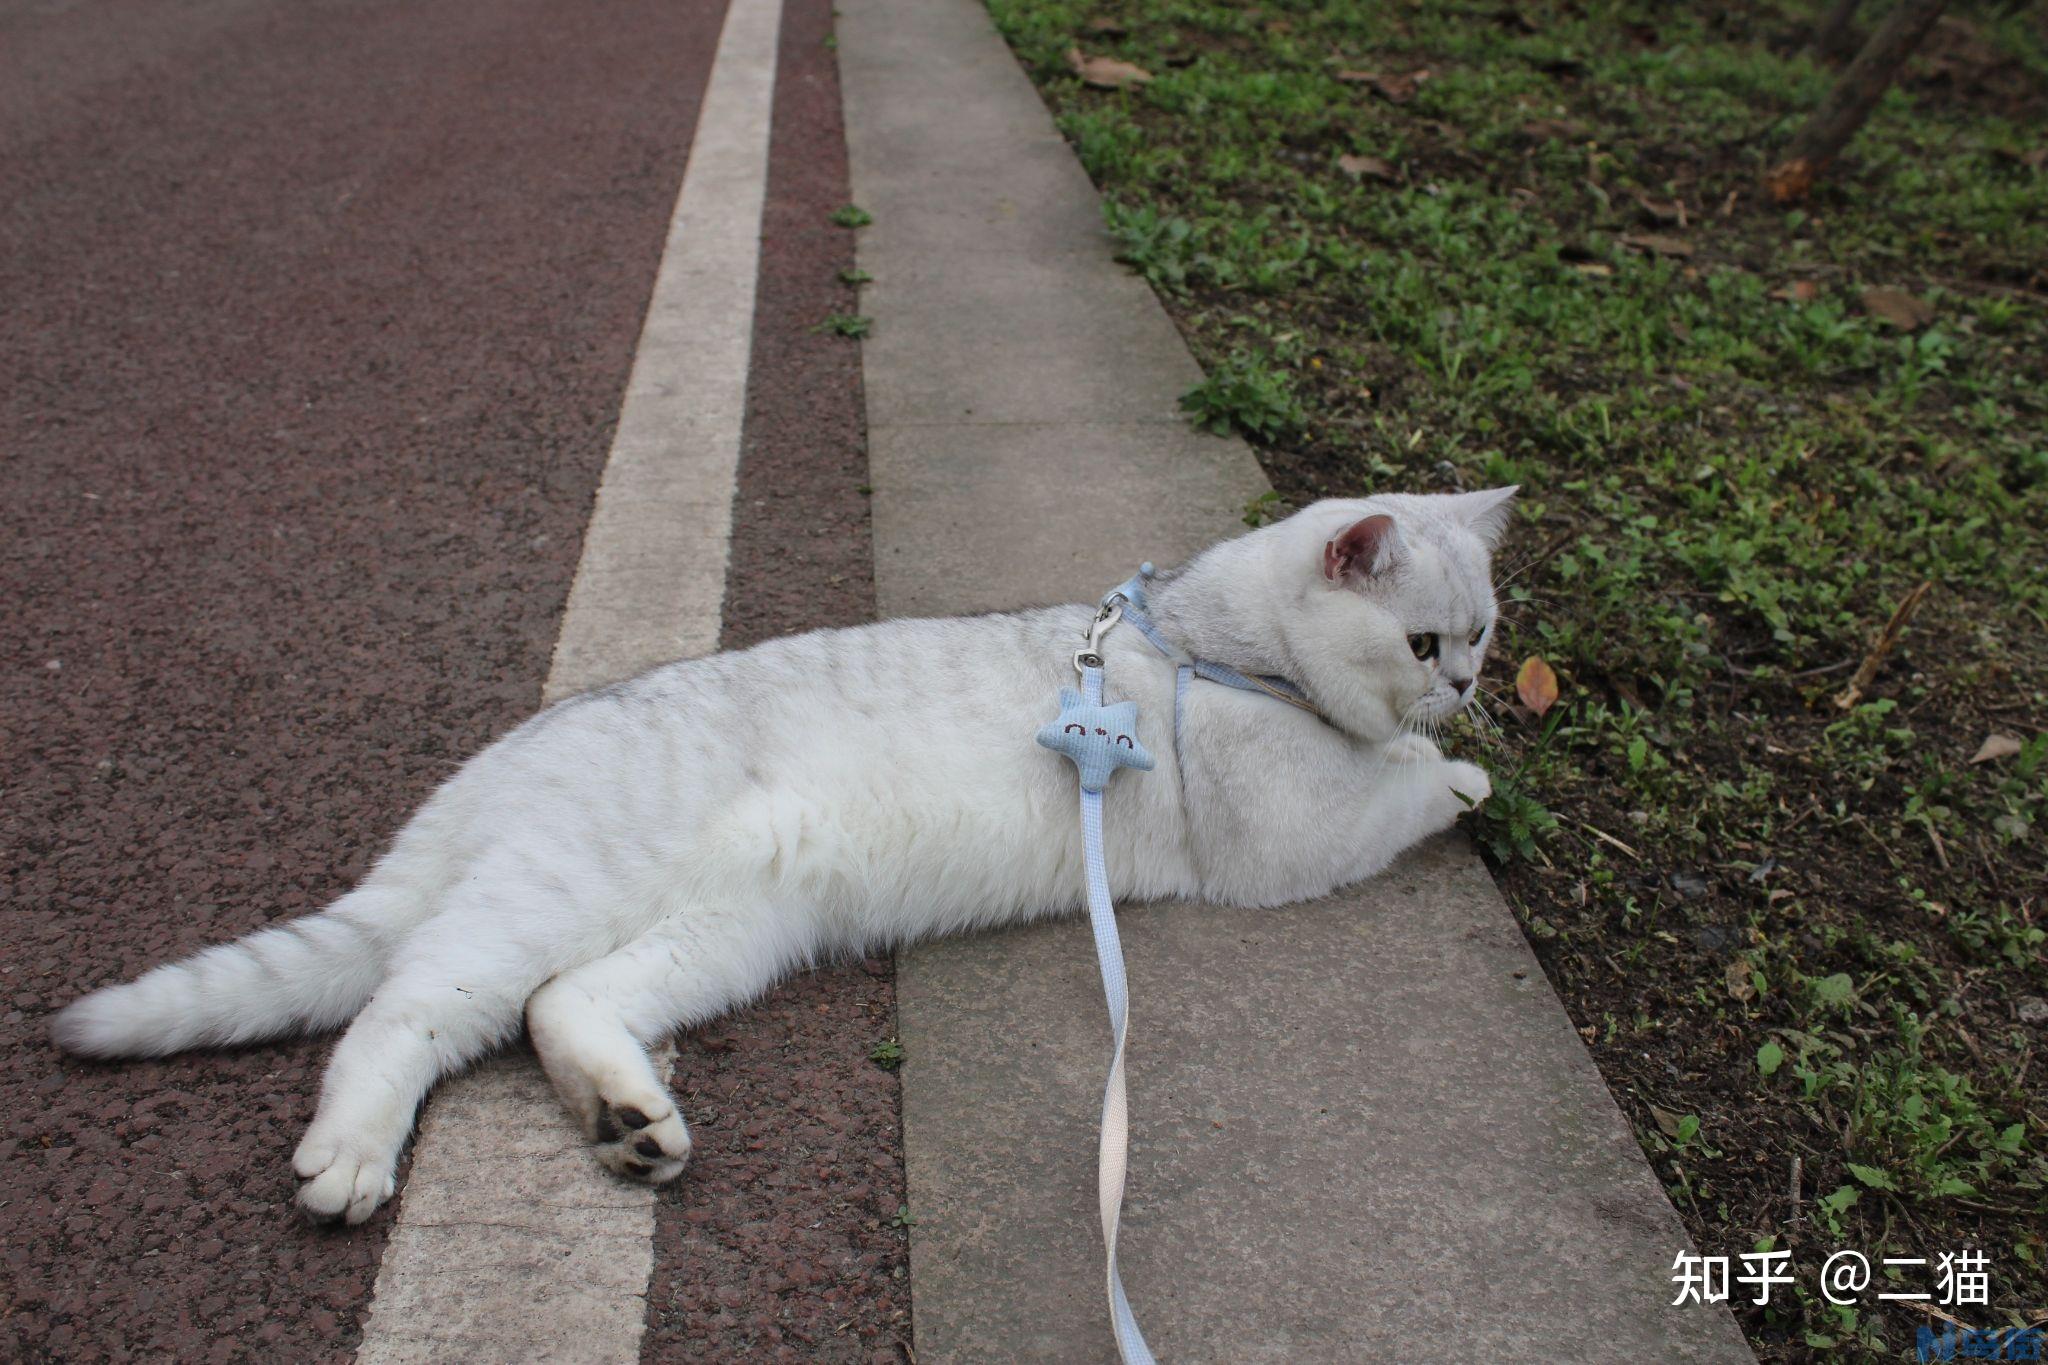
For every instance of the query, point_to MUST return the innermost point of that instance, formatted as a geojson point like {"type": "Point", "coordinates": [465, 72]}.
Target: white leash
{"type": "Point", "coordinates": [1111, 1151]}
{"type": "Point", "coordinates": [1100, 739]}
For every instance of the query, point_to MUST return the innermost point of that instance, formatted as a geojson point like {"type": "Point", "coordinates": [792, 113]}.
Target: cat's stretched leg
{"type": "Point", "coordinates": [592, 1027]}
{"type": "Point", "coordinates": [442, 1009]}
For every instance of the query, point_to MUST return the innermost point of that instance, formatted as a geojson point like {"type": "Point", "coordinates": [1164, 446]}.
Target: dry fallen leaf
{"type": "Point", "coordinates": [1662, 212]}
{"type": "Point", "coordinates": [1799, 291]}
{"type": "Point", "coordinates": [1597, 269]}
{"type": "Point", "coordinates": [1367, 168]}
{"type": "Point", "coordinates": [1393, 89]}
{"type": "Point", "coordinates": [1898, 308]}
{"type": "Point", "coordinates": [1106, 73]}
{"type": "Point", "coordinates": [1996, 746]}
{"type": "Point", "coordinates": [1739, 984]}
{"type": "Point", "coordinates": [1536, 685]}
{"type": "Point", "coordinates": [1105, 27]}
{"type": "Point", "coordinates": [1667, 1122]}
{"type": "Point", "coordinates": [1657, 244]}
{"type": "Point", "coordinates": [1788, 183]}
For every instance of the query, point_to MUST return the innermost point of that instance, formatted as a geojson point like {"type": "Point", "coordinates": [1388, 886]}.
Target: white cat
{"type": "Point", "coordinates": [646, 856]}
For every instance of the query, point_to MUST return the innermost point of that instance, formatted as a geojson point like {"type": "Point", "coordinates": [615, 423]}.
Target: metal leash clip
{"type": "Point", "coordinates": [1090, 655]}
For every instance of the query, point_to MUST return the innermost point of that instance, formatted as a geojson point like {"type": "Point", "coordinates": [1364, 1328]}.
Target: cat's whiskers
{"type": "Point", "coordinates": [1483, 724]}
{"type": "Point", "coordinates": [1520, 568]}
{"type": "Point", "coordinates": [1525, 598]}
{"type": "Point", "coordinates": [1403, 728]}
{"type": "Point", "coordinates": [1495, 735]}
{"type": "Point", "coordinates": [1500, 733]}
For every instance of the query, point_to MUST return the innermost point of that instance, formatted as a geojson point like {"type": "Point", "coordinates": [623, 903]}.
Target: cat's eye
{"type": "Point", "coordinates": [1477, 636]}
{"type": "Point", "coordinates": [1423, 646]}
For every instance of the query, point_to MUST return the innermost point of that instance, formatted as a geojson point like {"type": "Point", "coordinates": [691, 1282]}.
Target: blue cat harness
{"type": "Point", "coordinates": [1100, 740]}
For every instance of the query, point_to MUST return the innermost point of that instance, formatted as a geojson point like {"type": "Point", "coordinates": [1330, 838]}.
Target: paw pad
{"type": "Point", "coordinates": [642, 1142]}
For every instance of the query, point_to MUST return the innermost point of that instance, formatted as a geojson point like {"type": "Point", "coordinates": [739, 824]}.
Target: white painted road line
{"type": "Point", "coordinates": [511, 1243]}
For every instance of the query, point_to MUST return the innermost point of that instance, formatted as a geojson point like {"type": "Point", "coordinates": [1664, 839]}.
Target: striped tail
{"type": "Point", "coordinates": [304, 975]}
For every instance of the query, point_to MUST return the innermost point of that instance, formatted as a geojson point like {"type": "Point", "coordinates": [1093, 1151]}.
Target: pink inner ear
{"type": "Point", "coordinates": [1363, 547]}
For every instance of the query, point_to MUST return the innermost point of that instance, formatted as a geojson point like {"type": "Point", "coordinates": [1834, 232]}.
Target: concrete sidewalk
{"type": "Point", "coordinates": [1363, 1127]}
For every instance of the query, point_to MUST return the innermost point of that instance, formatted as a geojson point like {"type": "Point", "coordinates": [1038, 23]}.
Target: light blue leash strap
{"type": "Point", "coordinates": [1114, 1143]}
{"type": "Point", "coordinates": [1100, 739]}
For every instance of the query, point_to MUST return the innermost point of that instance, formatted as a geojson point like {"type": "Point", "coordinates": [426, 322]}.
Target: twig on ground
{"type": "Point", "coordinates": [1812, 809]}
{"type": "Point", "coordinates": [1931, 1311]}
{"type": "Point", "coordinates": [1814, 147]}
{"type": "Point", "coordinates": [1990, 866]}
{"type": "Point", "coordinates": [1882, 846]}
{"type": "Point", "coordinates": [1605, 837]}
{"type": "Point", "coordinates": [1888, 637]}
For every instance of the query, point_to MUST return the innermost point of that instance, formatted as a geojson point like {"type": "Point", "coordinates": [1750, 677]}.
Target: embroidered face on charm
{"type": "Point", "coordinates": [1100, 733]}
{"type": "Point", "coordinates": [1406, 593]}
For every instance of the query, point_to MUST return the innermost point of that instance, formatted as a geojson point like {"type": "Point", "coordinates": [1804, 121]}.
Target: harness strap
{"type": "Point", "coordinates": [1131, 593]}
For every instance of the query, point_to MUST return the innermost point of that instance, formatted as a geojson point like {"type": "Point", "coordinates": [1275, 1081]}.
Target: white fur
{"type": "Point", "coordinates": [646, 856]}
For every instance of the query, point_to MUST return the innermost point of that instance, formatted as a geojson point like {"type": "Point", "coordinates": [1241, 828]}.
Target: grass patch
{"type": "Point", "coordinates": [1533, 250]}
{"type": "Point", "coordinates": [846, 325]}
{"type": "Point", "coordinates": [1246, 394]}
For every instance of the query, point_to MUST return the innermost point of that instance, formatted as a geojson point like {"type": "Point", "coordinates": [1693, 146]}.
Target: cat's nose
{"type": "Point", "coordinates": [1464, 685]}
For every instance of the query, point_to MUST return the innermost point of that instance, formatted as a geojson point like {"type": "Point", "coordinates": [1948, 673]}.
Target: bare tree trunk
{"type": "Point", "coordinates": [1852, 99]}
{"type": "Point", "coordinates": [1835, 39]}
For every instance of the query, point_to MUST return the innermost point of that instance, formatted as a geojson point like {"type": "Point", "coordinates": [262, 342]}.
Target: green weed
{"type": "Point", "coordinates": [1246, 395]}
{"type": "Point", "coordinates": [846, 325]}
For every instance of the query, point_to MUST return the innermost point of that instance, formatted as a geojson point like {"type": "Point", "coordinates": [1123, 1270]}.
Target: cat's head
{"type": "Point", "coordinates": [1395, 608]}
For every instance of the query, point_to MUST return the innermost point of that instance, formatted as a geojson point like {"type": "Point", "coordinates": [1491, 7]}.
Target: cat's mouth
{"type": "Point", "coordinates": [1440, 704]}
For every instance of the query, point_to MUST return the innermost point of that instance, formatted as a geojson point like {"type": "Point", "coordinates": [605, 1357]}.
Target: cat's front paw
{"type": "Point", "coordinates": [1469, 781]}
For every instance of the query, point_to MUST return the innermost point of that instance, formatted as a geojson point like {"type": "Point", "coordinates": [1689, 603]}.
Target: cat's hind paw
{"type": "Point", "coordinates": [642, 1138]}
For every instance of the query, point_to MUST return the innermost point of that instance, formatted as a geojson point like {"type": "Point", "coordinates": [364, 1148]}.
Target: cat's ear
{"type": "Point", "coordinates": [1362, 549]}
{"type": "Point", "coordinates": [1484, 512]}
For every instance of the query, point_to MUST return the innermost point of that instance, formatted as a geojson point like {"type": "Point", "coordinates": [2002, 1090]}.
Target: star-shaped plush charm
{"type": "Point", "coordinates": [1100, 739]}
